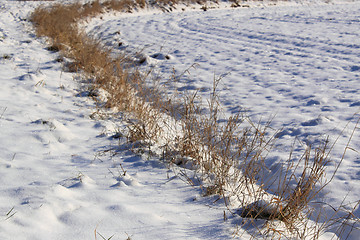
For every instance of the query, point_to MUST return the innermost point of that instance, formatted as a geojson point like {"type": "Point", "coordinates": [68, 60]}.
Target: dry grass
{"type": "Point", "coordinates": [228, 155]}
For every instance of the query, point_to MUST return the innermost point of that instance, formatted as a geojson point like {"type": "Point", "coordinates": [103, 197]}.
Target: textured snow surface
{"type": "Point", "coordinates": [60, 178]}
{"type": "Point", "coordinates": [299, 64]}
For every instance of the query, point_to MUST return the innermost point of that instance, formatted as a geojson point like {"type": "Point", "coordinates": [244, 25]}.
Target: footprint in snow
{"type": "Point", "coordinates": [161, 56]}
{"type": "Point", "coordinates": [313, 102]}
{"type": "Point", "coordinates": [80, 181]}
{"type": "Point", "coordinates": [153, 59]}
{"type": "Point", "coordinates": [355, 68]}
{"type": "Point", "coordinates": [355, 104]}
{"type": "Point", "coordinates": [314, 122]}
{"type": "Point", "coordinates": [289, 132]}
{"type": "Point", "coordinates": [59, 130]}
{"type": "Point", "coordinates": [35, 77]}
{"type": "Point", "coordinates": [328, 108]}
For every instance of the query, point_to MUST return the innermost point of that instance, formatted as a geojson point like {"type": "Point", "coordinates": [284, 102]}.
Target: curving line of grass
{"type": "Point", "coordinates": [229, 157]}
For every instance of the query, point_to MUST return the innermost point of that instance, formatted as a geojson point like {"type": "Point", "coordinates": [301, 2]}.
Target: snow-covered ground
{"type": "Point", "coordinates": [60, 177]}
{"type": "Point", "coordinates": [299, 64]}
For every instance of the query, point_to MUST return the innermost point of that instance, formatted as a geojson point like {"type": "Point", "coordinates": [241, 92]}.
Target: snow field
{"type": "Point", "coordinates": [59, 177]}
{"type": "Point", "coordinates": [299, 64]}
{"type": "Point", "coordinates": [56, 168]}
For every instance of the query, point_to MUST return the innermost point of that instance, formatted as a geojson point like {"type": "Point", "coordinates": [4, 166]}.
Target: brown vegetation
{"type": "Point", "coordinates": [229, 156]}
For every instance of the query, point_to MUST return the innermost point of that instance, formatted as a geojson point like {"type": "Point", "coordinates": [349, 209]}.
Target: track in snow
{"type": "Point", "coordinates": [299, 63]}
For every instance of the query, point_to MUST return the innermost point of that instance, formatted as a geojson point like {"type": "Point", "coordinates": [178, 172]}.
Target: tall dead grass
{"type": "Point", "coordinates": [229, 155]}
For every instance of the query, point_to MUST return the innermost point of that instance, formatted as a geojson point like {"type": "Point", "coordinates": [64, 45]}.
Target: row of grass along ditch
{"type": "Point", "coordinates": [229, 157]}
